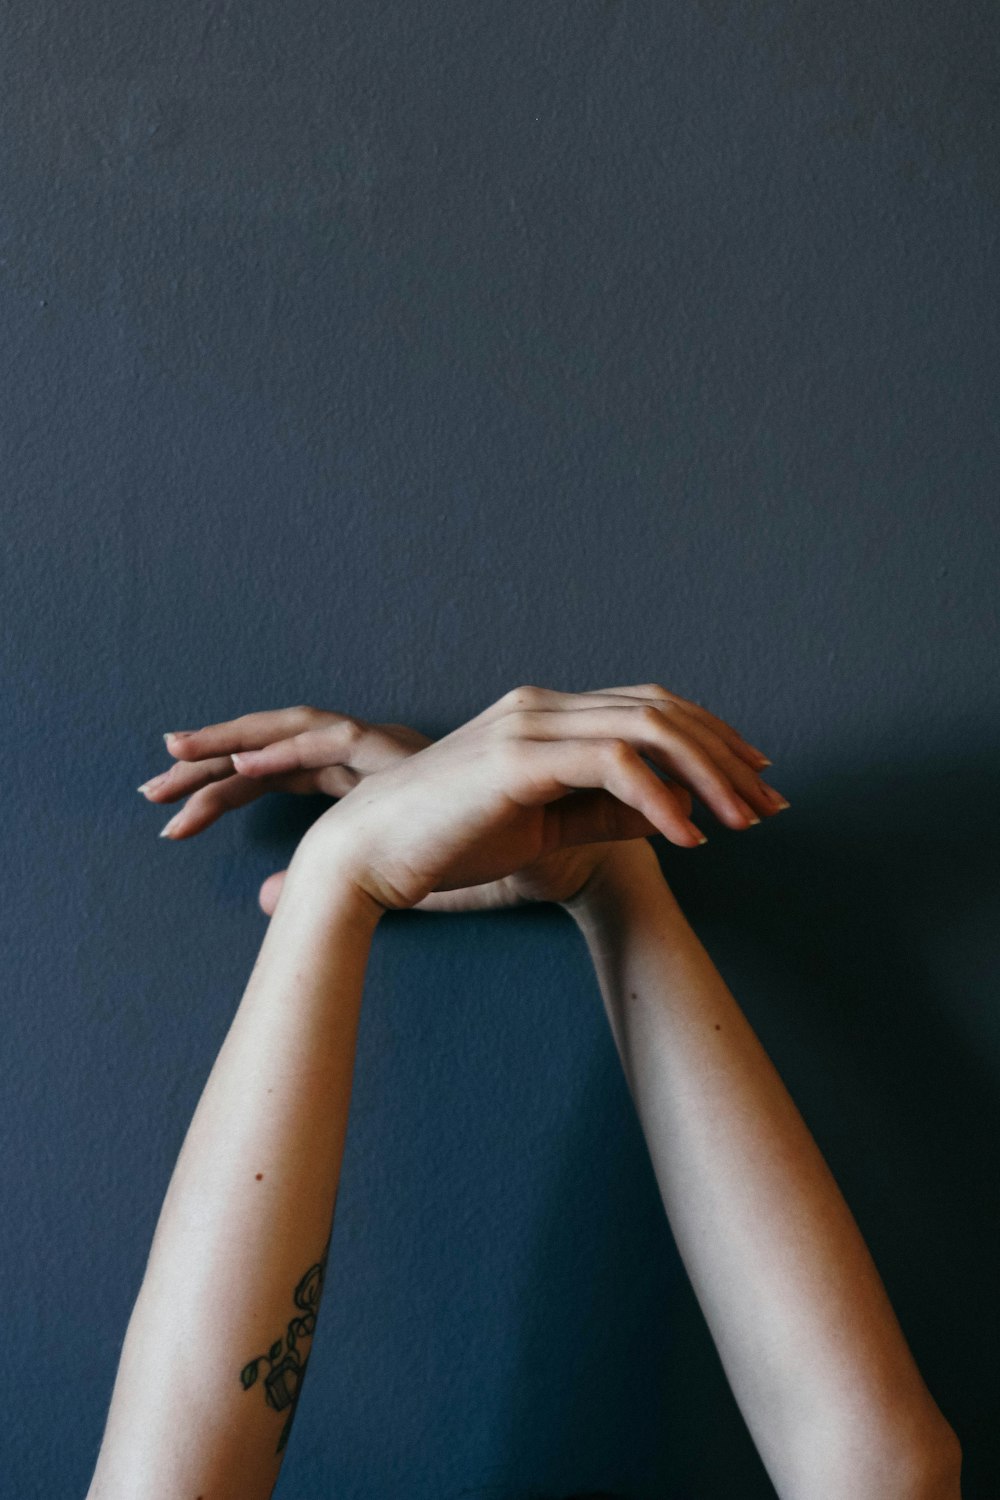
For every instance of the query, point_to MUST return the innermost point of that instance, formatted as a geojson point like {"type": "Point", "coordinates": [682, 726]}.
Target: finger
{"type": "Point", "coordinates": [248, 732]}
{"type": "Point", "coordinates": [208, 804]}
{"type": "Point", "coordinates": [539, 771]}
{"type": "Point", "coordinates": [742, 747]}
{"type": "Point", "coordinates": [180, 780]}
{"type": "Point", "coordinates": [270, 891]}
{"type": "Point", "coordinates": [655, 732]}
{"type": "Point", "coordinates": [756, 793]}
{"type": "Point", "coordinates": [595, 817]}
{"type": "Point", "coordinates": [683, 796]}
{"type": "Point", "coordinates": [548, 698]}
{"type": "Point", "coordinates": [346, 741]}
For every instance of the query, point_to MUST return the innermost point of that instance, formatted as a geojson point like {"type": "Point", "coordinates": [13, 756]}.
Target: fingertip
{"type": "Point", "coordinates": [179, 743]}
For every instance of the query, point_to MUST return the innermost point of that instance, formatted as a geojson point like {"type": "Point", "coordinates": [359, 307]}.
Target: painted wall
{"type": "Point", "coordinates": [388, 355]}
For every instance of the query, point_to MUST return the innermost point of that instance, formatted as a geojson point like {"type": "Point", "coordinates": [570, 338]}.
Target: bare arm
{"type": "Point", "coordinates": [222, 1326]}
{"type": "Point", "coordinates": [807, 1336]}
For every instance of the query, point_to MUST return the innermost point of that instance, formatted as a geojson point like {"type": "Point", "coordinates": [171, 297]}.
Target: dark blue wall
{"type": "Point", "coordinates": [385, 356]}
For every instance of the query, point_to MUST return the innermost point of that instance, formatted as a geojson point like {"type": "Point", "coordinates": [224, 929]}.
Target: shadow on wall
{"type": "Point", "coordinates": [857, 937]}
{"type": "Point", "coordinates": [849, 936]}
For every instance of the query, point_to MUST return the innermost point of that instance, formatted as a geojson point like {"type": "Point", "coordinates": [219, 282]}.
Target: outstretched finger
{"type": "Point", "coordinates": [181, 779]}
{"type": "Point", "coordinates": [345, 742]}
{"type": "Point", "coordinates": [208, 805]}
{"type": "Point", "coordinates": [248, 732]}
{"type": "Point", "coordinates": [270, 891]}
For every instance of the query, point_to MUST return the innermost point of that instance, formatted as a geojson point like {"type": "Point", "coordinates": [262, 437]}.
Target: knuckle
{"type": "Point", "coordinates": [525, 696]}
{"type": "Point", "coordinates": [619, 753]}
{"type": "Point", "coordinates": [651, 719]}
{"type": "Point", "coordinates": [350, 731]}
{"type": "Point", "coordinates": [656, 690]}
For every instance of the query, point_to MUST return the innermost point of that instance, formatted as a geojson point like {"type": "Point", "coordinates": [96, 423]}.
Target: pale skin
{"type": "Point", "coordinates": [548, 797]}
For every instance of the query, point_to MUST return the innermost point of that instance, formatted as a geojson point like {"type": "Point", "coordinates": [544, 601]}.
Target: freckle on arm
{"type": "Point", "coordinates": [259, 1176]}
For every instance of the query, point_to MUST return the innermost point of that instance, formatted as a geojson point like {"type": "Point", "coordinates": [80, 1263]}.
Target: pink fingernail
{"type": "Point", "coordinates": [179, 734]}
{"type": "Point", "coordinates": [167, 830]}
{"type": "Point", "coordinates": [701, 837]}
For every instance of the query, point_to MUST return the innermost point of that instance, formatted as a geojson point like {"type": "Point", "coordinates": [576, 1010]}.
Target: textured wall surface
{"type": "Point", "coordinates": [385, 356]}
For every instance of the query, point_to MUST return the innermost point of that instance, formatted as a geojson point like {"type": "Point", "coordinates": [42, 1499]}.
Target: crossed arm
{"type": "Point", "coordinates": [809, 1342]}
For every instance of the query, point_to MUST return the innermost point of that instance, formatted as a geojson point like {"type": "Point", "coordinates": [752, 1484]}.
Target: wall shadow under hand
{"type": "Point", "coordinates": [855, 932]}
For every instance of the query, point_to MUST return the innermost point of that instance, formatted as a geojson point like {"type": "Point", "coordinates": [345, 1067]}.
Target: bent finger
{"type": "Point", "coordinates": [540, 771]}
{"type": "Point", "coordinates": [732, 737]}
{"type": "Point", "coordinates": [662, 732]}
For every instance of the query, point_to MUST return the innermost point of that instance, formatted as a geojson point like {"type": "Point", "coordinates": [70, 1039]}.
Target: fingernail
{"type": "Point", "coordinates": [748, 812]}
{"type": "Point", "coordinates": [774, 796]}
{"type": "Point", "coordinates": [179, 734]}
{"type": "Point", "coordinates": [152, 785]}
{"type": "Point", "coordinates": [764, 760]}
{"type": "Point", "coordinates": [167, 829]}
{"type": "Point", "coordinates": [241, 760]}
{"type": "Point", "coordinates": [701, 837]}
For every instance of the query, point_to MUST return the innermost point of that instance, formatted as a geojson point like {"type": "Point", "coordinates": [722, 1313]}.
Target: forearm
{"type": "Point", "coordinates": [803, 1325]}
{"type": "Point", "coordinates": [246, 1221]}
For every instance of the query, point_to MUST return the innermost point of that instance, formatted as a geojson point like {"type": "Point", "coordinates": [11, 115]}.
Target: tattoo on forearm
{"type": "Point", "coordinates": [287, 1367]}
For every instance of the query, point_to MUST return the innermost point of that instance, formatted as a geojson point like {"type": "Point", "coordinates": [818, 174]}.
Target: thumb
{"type": "Point", "coordinates": [270, 891]}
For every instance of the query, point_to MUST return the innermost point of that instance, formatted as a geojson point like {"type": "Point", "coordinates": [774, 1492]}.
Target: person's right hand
{"type": "Point", "coordinates": [304, 749]}
{"type": "Point", "coordinates": [516, 784]}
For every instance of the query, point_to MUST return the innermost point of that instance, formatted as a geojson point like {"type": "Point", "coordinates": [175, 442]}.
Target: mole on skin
{"type": "Point", "coordinates": [632, 993]}
{"type": "Point", "coordinates": [259, 1176]}
{"type": "Point", "coordinates": [718, 1028]}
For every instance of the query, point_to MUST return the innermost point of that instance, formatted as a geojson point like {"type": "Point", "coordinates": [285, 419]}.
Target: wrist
{"type": "Point", "coordinates": [319, 877]}
{"type": "Point", "coordinates": [629, 871]}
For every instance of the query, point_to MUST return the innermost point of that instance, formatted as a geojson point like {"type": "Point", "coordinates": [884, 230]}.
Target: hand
{"type": "Point", "coordinates": [518, 783]}
{"type": "Point", "coordinates": [306, 750]}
